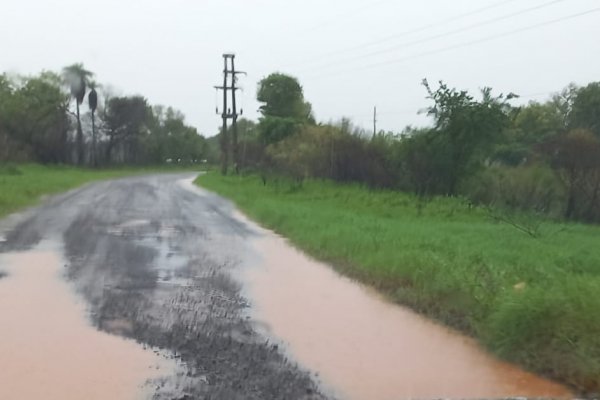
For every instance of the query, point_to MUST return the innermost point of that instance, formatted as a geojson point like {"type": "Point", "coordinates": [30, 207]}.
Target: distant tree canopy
{"type": "Point", "coordinates": [34, 123]}
{"type": "Point", "coordinates": [585, 109]}
{"type": "Point", "coordinates": [540, 157]}
{"type": "Point", "coordinates": [37, 124]}
{"type": "Point", "coordinates": [284, 109]}
{"type": "Point", "coordinates": [576, 158]}
{"type": "Point", "coordinates": [172, 139]}
{"type": "Point", "coordinates": [283, 97]}
{"type": "Point", "coordinates": [465, 132]}
{"type": "Point", "coordinates": [537, 122]}
{"type": "Point", "coordinates": [127, 121]}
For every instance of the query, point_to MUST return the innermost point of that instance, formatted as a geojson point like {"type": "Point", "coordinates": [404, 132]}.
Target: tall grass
{"type": "Point", "coordinates": [534, 301]}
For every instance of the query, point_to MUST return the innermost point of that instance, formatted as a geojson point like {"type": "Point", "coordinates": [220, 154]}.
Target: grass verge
{"type": "Point", "coordinates": [533, 301]}
{"type": "Point", "coordinates": [24, 185]}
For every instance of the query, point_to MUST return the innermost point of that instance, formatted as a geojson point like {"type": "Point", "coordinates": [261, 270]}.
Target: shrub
{"type": "Point", "coordinates": [524, 188]}
{"type": "Point", "coordinates": [547, 327]}
{"type": "Point", "coordinates": [576, 158]}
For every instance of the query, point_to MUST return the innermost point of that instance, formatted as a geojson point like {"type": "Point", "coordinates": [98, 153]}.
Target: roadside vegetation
{"type": "Point", "coordinates": [530, 300]}
{"type": "Point", "coordinates": [484, 220]}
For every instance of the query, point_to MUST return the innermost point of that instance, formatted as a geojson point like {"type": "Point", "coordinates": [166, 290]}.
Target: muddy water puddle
{"type": "Point", "coordinates": [367, 348]}
{"type": "Point", "coordinates": [48, 350]}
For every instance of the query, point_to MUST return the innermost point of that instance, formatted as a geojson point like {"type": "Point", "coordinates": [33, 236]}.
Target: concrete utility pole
{"type": "Point", "coordinates": [374, 121]}
{"type": "Point", "coordinates": [234, 115]}
{"type": "Point", "coordinates": [227, 113]}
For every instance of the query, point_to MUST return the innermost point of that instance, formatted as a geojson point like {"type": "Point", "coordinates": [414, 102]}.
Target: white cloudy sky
{"type": "Point", "coordinates": [348, 54]}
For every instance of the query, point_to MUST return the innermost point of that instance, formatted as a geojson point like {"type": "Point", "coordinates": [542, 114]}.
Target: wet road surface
{"type": "Point", "coordinates": [219, 308]}
{"type": "Point", "coordinates": [48, 349]}
{"type": "Point", "coordinates": [154, 262]}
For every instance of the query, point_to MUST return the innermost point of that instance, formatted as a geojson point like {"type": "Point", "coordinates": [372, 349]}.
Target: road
{"type": "Point", "coordinates": [212, 306]}
{"type": "Point", "coordinates": [157, 263]}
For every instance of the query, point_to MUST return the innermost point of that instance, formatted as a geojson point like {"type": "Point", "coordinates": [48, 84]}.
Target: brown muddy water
{"type": "Point", "coordinates": [364, 347]}
{"type": "Point", "coordinates": [48, 350]}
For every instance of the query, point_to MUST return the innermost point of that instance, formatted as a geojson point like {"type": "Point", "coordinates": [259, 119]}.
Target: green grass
{"type": "Point", "coordinates": [533, 301]}
{"type": "Point", "coordinates": [24, 185]}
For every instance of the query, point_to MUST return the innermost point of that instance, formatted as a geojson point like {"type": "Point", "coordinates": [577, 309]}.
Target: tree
{"type": "Point", "coordinates": [77, 77]}
{"type": "Point", "coordinates": [46, 124]}
{"type": "Point", "coordinates": [284, 108]}
{"type": "Point", "coordinates": [466, 130]}
{"type": "Point", "coordinates": [576, 158]}
{"type": "Point", "coordinates": [283, 97]}
{"type": "Point", "coordinates": [585, 109]}
{"type": "Point", "coordinates": [33, 119]}
{"type": "Point", "coordinates": [10, 147]}
{"type": "Point", "coordinates": [171, 138]}
{"type": "Point", "coordinates": [93, 104]}
{"type": "Point", "coordinates": [536, 122]}
{"type": "Point", "coordinates": [126, 120]}
{"type": "Point", "coordinates": [531, 124]}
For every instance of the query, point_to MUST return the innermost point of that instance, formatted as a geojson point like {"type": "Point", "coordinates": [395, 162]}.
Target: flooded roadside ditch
{"type": "Point", "coordinates": [365, 347]}
{"type": "Point", "coordinates": [48, 348]}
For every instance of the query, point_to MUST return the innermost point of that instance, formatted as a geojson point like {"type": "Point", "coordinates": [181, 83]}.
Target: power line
{"type": "Point", "coordinates": [453, 32]}
{"type": "Point", "coordinates": [409, 32]}
{"type": "Point", "coordinates": [350, 12]}
{"type": "Point", "coordinates": [470, 43]}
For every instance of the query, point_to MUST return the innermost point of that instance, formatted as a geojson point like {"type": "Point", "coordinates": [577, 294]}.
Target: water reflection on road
{"type": "Point", "coordinates": [49, 350]}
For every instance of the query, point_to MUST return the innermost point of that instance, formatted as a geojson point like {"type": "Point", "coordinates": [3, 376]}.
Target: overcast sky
{"type": "Point", "coordinates": [349, 55]}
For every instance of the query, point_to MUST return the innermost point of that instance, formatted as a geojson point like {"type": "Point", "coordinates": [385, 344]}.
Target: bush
{"type": "Point", "coordinates": [275, 129]}
{"type": "Point", "coordinates": [301, 155]}
{"type": "Point", "coordinates": [426, 164]}
{"type": "Point", "coordinates": [331, 152]}
{"type": "Point", "coordinates": [547, 327]}
{"type": "Point", "coordinates": [576, 158]}
{"type": "Point", "coordinates": [525, 188]}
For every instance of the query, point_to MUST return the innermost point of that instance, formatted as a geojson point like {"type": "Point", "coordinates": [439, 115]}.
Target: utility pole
{"type": "Point", "coordinates": [224, 133]}
{"type": "Point", "coordinates": [374, 121]}
{"type": "Point", "coordinates": [229, 75]}
{"type": "Point", "coordinates": [236, 158]}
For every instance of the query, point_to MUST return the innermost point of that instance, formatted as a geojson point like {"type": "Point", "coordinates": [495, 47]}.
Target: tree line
{"type": "Point", "coordinates": [69, 118]}
{"type": "Point", "coordinates": [541, 158]}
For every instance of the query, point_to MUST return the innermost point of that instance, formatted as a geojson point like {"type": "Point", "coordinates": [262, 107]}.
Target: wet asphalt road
{"type": "Point", "coordinates": [157, 262]}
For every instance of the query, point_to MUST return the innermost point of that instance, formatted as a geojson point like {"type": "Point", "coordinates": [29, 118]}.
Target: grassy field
{"type": "Point", "coordinates": [24, 185]}
{"type": "Point", "coordinates": [533, 301]}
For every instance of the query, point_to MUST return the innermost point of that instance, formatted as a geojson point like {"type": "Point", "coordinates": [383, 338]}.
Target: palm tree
{"type": "Point", "coordinates": [77, 77]}
{"type": "Point", "coordinates": [93, 103]}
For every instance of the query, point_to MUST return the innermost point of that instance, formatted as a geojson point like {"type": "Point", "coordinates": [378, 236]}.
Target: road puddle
{"type": "Point", "coordinates": [367, 348]}
{"type": "Point", "coordinates": [48, 349]}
